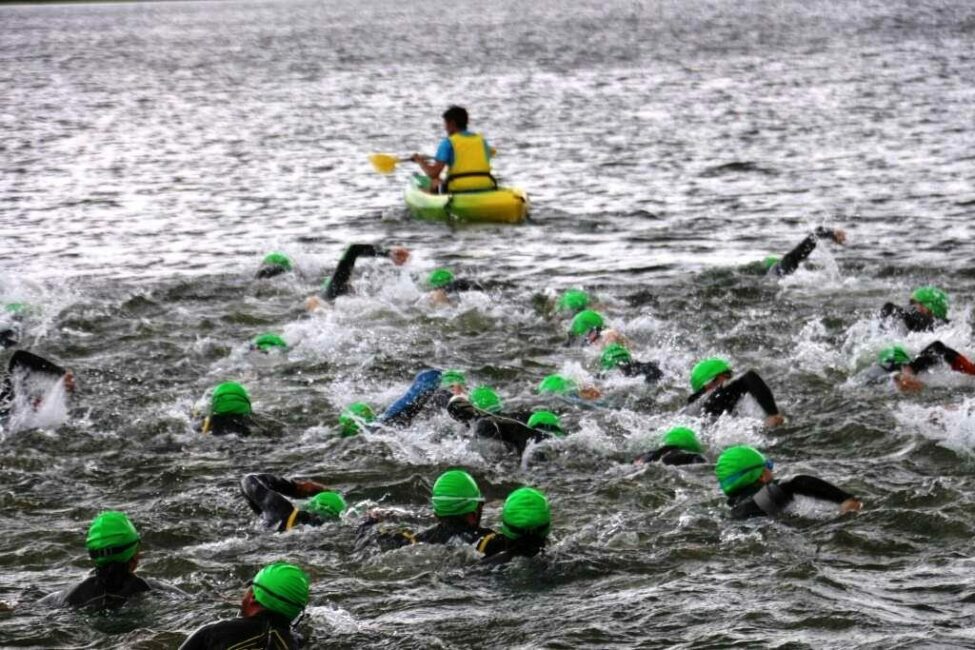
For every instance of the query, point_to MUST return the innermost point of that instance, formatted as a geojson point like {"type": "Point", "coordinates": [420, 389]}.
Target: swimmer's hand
{"type": "Point", "coordinates": [439, 297]}
{"type": "Point", "coordinates": [590, 392]}
{"type": "Point", "coordinates": [306, 488]}
{"type": "Point", "coordinates": [399, 255]}
{"type": "Point", "coordinates": [613, 336]}
{"type": "Point", "coordinates": [907, 382]}
{"type": "Point", "coordinates": [69, 383]}
{"type": "Point", "coordinates": [774, 420]}
{"type": "Point", "coordinates": [313, 303]}
{"type": "Point", "coordinates": [839, 236]}
{"type": "Point", "coordinates": [851, 505]}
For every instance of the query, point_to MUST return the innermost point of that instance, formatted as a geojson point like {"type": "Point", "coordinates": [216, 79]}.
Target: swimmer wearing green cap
{"type": "Point", "coordinates": [526, 520]}
{"type": "Point", "coordinates": [482, 414]}
{"type": "Point", "coordinates": [338, 284]}
{"type": "Point", "coordinates": [678, 446]}
{"type": "Point", "coordinates": [114, 546]}
{"type": "Point", "coordinates": [616, 356]}
{"type": "Point", "coordinates": [789, 263]}
{"type": "Point", "coordinates": [457, 504]}
{"type": "Point", "coordinates": [274, 264]}
{"type": "Point", "coordinates": [717, 392]}
{"type": "Point", "coordinates": [442, 285]}
{"type": "Point", "coordinates": [928, 308]}
{"type": "Point", "coordinates": [275, 599]}
{"type": "Point", "coordinates": [572, 301]}
{"type": "Point", "coordinates": [745, 476]}
{"type": "Point", "coordinates": [267, 494]}
{"type": "Point", "coordinates": [230, 411]}
{"type": "Point", "coordinates": [895, 362]}
{"type": "Point", "coordinates": [268, 342]}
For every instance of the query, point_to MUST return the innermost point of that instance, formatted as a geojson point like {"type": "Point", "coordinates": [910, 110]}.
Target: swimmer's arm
{"type": "Point", "coordinates": [460, 409]}
{"type": "Point", "coordinates": [651, 371]}
{"type": "Point", "coordinates": [791, 260]}
{"type": "Point", "coordinates": [24, 360]}
{"type": "Point", "coordinates": [264, 500]}
{"type": "Point", "coordinates": [758, 389]}
{"type": "Point", "coordinates": [816, 488]}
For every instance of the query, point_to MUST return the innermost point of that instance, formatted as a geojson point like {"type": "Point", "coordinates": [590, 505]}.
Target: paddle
{"type": "Point", "coordinates": [385, 163]}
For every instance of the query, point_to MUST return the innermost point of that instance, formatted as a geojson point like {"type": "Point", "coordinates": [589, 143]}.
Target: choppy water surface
{"type": "Point", "coordinates": [150, 155]}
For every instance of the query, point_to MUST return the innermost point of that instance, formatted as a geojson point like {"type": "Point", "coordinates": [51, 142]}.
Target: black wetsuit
{"type": "Point", "coordinates": [932, 355]}
{"type": "Point", "coordinates": [226, 424]}
{"type": "Point", "coordinates": [514, 433]}
{"type": "Point", "coordinates": [498, 549]}
{"type": "Point", "coordinates": [759, 500]}
{"type": "Point", "coordinates": [913, 320]}
{"type": "Point", "coordinates": [651, 371]}
{"type": "Point", "coordinates": [264, 631]}
{"type": "Point", "coordinates": [265, 494]}
{"type": "Point", "coordinates": [108, 587]}
{"type": "Point", "coordinates": [446, 530]}
{"type": "Point", "coordinates": [270, 271]}
{"type": "Point", "coordinates": [790, 261]}
{"type": "Point", "coordinates": [671, 455]}
{"type": "Point", "coordinates": [23, 361]}
{"type": "Point", "coordinates": [725, 398]}
{"type": "Point", "coordinates": [461, 284]}
{"type": "Point", "coordinates": [338, 285]}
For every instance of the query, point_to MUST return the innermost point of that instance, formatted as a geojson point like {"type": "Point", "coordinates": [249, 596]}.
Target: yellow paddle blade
{"type": "Point", "coordinates": [383, 163]}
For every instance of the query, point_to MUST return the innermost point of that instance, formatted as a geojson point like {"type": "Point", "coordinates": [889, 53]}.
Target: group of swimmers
{"type": "Point", "coordinates": [280, 592]}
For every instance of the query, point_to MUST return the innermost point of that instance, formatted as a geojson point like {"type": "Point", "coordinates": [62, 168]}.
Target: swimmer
{"type": "Point", "coordinates": [114, 546]}
{"type": "Point", "coordinates": [573, 301]}
{"type": "Point", "coordinates": [716, 392]}
{"type": "Point", "coordinates": [443, 285]}
{"type": "Point", "coordinates": [616, 356]}
{"type": "Point", "coordinates": [526, 520]}
{"type": "Point", "coordinates": [789, 263]}
{"type": "Point", "coordinates": [338, 284]}
{"type": "Point", "coordinates": [927, 309]}
{"type": "Point", "coordinates": [231, 412]}
{"type": "Point", "coordinates": [494, 425]}
{"type": "Point", "coordinates": [266, 495]}
{"type": "Point", "coordinates": [23, 370]}
{"type": "Point", "coordinates": [277, 596]}
{"type": "Point", "coordinates": [895, 362]}
{"type": "Point", "coordinates": [274, 264]}
{"type": "Point", "coordinates": [679, 446]}
{"type": "Point", "coordinates": [268, 342]}
{"type": "Point", "coordinates": [745, 476]}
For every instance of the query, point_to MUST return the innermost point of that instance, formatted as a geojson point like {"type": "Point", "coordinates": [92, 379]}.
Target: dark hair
{"type": "Point", "coordinates": [457, 115]}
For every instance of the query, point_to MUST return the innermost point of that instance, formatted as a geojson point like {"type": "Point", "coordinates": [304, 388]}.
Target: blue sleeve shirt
{"type": "Point", "coordinates": [445, 150]}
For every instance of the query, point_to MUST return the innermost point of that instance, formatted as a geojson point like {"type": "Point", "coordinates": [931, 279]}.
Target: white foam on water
{"type": "Point", "coordinates": [951, 425]}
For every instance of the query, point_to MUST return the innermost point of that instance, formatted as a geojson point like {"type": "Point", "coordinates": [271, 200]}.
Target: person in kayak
{"type": "Point", "coordinates": [894, 362]}
{"type": "Point", "coordinates": [465, 155]}
{"type": "Point", "coordinates": [679, 446]}
{"type": "Point", "coordinates": [267, 494]}
{"type": "Point", "coordinates": [458, 506]}
{"type": "Point", "coordinates": [23, 368]}
{"type": "Point", "coordinates": [338, 284]}
{"type": "Point", "coordinates": [745, 476]}
{"type": "Point", "coordinates": [928, 308]}
{"type": "Point", "coordinates": [616, 356]}
{"type": "Point", "coordinates": [789, 263]}
{"type": "Point", "coordinates": [277, 596]}
{"type": "Point", "coordinates": [274, 264]}
{"type": "Point", "coordinates": [526, 520]}
{"type": "Point", "coordinates": [717, 392]}
{"type": "Point", "coordinates": [113, 544]}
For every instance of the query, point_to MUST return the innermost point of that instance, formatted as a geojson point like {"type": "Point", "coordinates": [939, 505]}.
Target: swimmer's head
{"type": "Point", "coordinates": [587, 323]}
{"type": "Point", "coordinates": [268, 341]}
{"type": "Point", "coordinates": [614, 354]}
{"type": "Point", "coordinates": [741, 466]}
{"type": "Point", "coordinates": [893, 357]}
{"type": "Point", "coordinates": [451, 379]}
{"type": "Point", "coordinates": [112, 539]}
{"type": "Point", "coordinates": [557, 385]}
{"type": "Point", "coordinates": [440, 278]}
{"type": "Point", "coordinates": [327, 505]}
{"type": "Point", "coordinates": [353, 417]}
{"type": "Point", "coordinates": [573, 301]}
{"type": "Point", "coordinates": [455, 493]}
{"type": "Point", "coordinates": [682, 438]}
{"type": "Point", "coordinates": [546, 421]}
{"type": "Point", "coordinates": [526, 512]}
{"type": "Point", "coordinates": [931, 299]}
{"type": "Point", "coordinates": [274, 264]}
{"type": "Point", "coordinates": [281, 588]}
{"type": "Point", "coordinates": [230, 398]}
{"type": "Point", "coordinates": [707, 370]}
{"type": "Point", "coordinates": [486, 398]}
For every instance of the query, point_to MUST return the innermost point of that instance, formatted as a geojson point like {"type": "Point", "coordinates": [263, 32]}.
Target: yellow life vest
{"type": "Point", "coordinates": [471, 170]}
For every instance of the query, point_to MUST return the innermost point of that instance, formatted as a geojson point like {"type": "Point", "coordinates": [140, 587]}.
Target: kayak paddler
{"type": "Point", "coordinates": [465, 155]}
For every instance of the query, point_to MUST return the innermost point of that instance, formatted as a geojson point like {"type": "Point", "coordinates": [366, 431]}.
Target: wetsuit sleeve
{"type": "Point", "coordinates": [199, 640]}
{"type": "Point", "coordinates": [816, 488]}
{"type": "Point", "coordinates": [264, 495]}
{"type": "Point", "coordinates": [914, 320]}
{"type": "Point", "coordinates": [725, 398]}
{"type": "Point", "coordinates": [651, 372]}
{"type": "Point", "coordinates": [461, 409]}
{"type": "Point", "coordinates": [403, 410]}
{"type": "Point", "coordinates": [937, 352]}
{"type": "Point", "coordinates": [513, 433]}
{"type": "Point", "coordinates": [338, 285]}
{"type": "Point", "coordinates": [462, 284]}
{"type": "Point", "coordinates": [791, 260]}
{"type": "Point", "coordinates": [27, 361]}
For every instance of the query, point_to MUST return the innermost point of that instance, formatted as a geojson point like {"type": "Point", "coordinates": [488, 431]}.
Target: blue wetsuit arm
{"type": "Point", "coordinates": [401, 412]}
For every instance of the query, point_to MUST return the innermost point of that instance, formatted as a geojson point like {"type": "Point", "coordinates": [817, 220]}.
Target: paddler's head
{"type": "Point", "coordinates": [455, 120]}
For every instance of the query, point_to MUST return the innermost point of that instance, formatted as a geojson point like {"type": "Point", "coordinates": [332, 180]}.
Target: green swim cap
{"type": "Point", "coordinates": [230, 398]}
{"type": "Point", "coordinates": [934, 299]}
{"type": "Point", "coordinates": [706, 370]}
{"type": "Point", "coordinates": [738, 467]}
{"type": "Point", "coordinates": [770, 261]}
{"type": "Point", "coordinates": [269, 340]}
{"type": "Point", "coordinates": [525, 512]}
{"type": "Point", "coordinates": [574, 300]}
{"type": "Point", "coordinates": [452, 378]}
{"type": "Point", "coordinates": [614, 354]}
{"type": "Point", "coordinates": [546, 421]}
{"type": "Point", "coordinates": [440, 278]}
{"type": "Point", "coordinates": [586, 321]}
{"type": "Point", "coordinates": [682, 438]}
{"type": "Point", "coordinates": [281, 588]}
{"type": "Point", "coordinates": [352, 415]}
{"type": "Point", "coordinates": [558, 385]}
{"type": "Point", "coordinates": [486, 399]}
{"type": "Point", "coordinates": [112, 538]}
{"type": "Point", "coordinates": [278, 259]}
{"type": "Point", "coordinates": [329, 505]}
{"type": "Point", "coordinates": [15, 307]}
{"type": "Point", "coordinates": [895, 355]}
{"type": "Point", "coordinates": [455, 493]}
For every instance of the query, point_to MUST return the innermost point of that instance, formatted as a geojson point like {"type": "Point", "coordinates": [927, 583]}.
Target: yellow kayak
{"type": "Point", "coordinates": [503, 205]}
